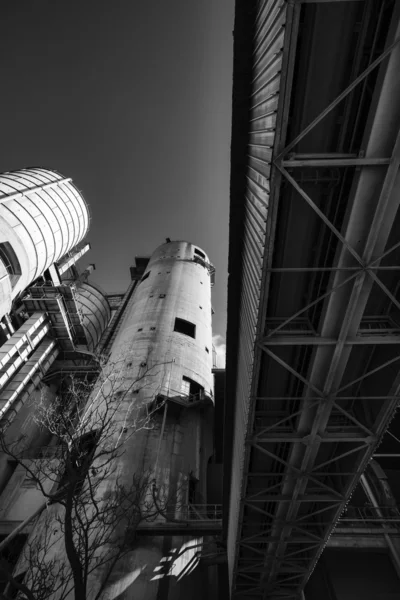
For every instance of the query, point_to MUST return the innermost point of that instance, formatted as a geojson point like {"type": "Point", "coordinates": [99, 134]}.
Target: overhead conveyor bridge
{"type": "Point", "coordinates": [313, 362]}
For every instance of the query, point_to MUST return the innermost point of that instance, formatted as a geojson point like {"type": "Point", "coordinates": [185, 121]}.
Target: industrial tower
{"type": "Point", "coordinates": [165, 333]}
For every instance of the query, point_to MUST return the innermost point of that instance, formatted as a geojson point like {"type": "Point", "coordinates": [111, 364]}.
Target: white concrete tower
{"type": "Point", "coordinates": [169, 320]}
{"type": "Point", "coordinates": [42, 217]}
{"type": "Point", "coordinates": [166, 332]}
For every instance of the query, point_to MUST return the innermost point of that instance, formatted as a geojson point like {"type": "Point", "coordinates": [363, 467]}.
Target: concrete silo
{"type": "Point", "coordinates": [157, 348]}
{"type": "Point", "coordinates": [169, 320]}
{"type": "Point", "coordinates": [165, 340]}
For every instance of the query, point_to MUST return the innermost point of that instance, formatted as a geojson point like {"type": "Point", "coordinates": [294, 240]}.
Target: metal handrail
{"type": "Point", "coordinates": [196, 512]}
{"type": "Point", "coordinates": [189, 398]}
{"type": "Point", "coordinates": [370, 514]}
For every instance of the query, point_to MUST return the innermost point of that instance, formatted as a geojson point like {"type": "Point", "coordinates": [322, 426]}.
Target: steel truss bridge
{"type": "Point", "coordinates": [313, 363]}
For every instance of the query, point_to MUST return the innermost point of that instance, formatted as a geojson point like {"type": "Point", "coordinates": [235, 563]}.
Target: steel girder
{"type": "Point", "coordinates": [301, 498]}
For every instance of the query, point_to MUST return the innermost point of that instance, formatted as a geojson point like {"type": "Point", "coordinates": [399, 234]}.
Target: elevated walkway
{"type": "Point", "coordinates": [190, 519]}
{"type": "Point", "coordinates": [176, 402]}
{"type": "Point", "coordinates": [313, 348]}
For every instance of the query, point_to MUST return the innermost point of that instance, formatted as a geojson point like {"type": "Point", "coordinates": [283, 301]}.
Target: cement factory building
{"type": "Point", "coordinates": [284, 485]}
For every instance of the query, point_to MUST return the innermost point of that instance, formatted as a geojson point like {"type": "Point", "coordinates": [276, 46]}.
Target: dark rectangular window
{"type": "Point", "coordinates": [8, 472]}
{"type": "Point", "coordinates": [200, 253]}
{"type": "Point", "coordinates": [9, 557]}
{"type": "Point", "coordinates": [185, 327]}
{"type": "Point", "coordinates": [78, 461]}
{"type": "Point", "coordinates": [10, 261]}
{"type": "Point", "coordinates": [192, 389]}
{"type": "Point", "coordinates": [192, 489]}
{"type": "Point", "coordinates": [11, 591]}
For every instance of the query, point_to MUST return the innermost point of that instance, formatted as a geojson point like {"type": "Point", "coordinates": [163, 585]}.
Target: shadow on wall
{"type": "Point", "coordinates": [179, 563]}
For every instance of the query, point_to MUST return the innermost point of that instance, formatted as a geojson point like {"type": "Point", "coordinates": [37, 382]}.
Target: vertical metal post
{"type": "Point", "coordinates": [371, 496]}
{"type": "Point", "coordinates": [161, 435]}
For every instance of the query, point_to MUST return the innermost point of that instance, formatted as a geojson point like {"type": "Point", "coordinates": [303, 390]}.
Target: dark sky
{"type": "Point", "coordinates": [132, 99]}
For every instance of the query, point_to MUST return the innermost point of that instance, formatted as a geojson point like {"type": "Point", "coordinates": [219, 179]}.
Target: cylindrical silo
{"type": "Point", "coordinates": [94, 310]}
{"type": "Point", "coordinates": [42, 216]}
{"type": "Point", "coordinates": [169, 320]}
{"type": "Point", "coordinates": [166, 339]}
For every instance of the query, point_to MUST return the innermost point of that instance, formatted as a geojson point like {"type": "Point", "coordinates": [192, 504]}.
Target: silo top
{"type": "Point", "coordinates": [179, 249]}
{"type": "Point", "coordinates": [42, 216]}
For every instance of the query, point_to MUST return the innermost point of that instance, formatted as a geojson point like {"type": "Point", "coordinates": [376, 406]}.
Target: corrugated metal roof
{"type": "Point", "coordinates": [268, 53]}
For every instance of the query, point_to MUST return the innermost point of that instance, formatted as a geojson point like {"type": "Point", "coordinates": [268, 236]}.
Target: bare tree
{"type": "Point", "coordinates": [90, 513]}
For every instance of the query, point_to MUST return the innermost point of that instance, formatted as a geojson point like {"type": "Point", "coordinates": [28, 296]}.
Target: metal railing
{"type": "Point", "coordinates": [371, 515]}
{"type": "Point", "coordinates": [383, 325]}
{"type": "Point", "coordinates": [196, 512]}
{"type": "Point", "coordinates": [188, 399]}
{"type": "Point", "coordinates": [298, 326]}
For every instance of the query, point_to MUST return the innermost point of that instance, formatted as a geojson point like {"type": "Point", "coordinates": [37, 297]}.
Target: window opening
{"type": "Point", "coordinates": [140, 329]}
{"type": "Point", "coordinates": [145, 276]}
{"type": "Point", "coordinates": [200, 253]}
{"type": "Point", "coordinates": [162, 295]}
{"type": "Point", "coordinates": [157, 403]}
{"type": "Point", "coordinates": [11, 262]}
{"type": "Point", "coordinates": [11, 465]}
{"type": "Point", "coordinates": [78, 461]}
{"type": "Point", "coordinates": [207, 350]}
{"type": "Point", "coordinates": [9, 556]}
{"type": "Point", "coordinates": [192, 484]}
{"type": "Point", "coordinates": [185, 327]}
{"type": "Point", "coordinates": [11, 590]}
{"type": "Point", "coordinates": [152, 328]}
{"type": "Point", "coordinates": [191, 388]}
